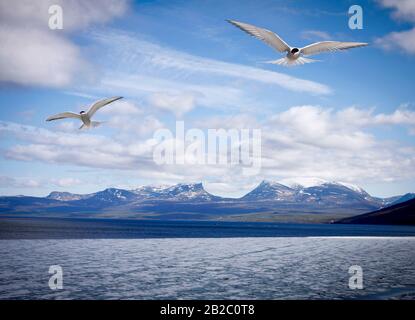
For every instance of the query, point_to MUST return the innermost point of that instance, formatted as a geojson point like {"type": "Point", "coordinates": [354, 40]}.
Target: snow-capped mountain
{"type": "Point", "coordinates": [322, 193]}
{"type": "Point", "coordinates": [149, 192]}
{"type": "Point", "coordinates": [352, 187]}
{"type": "Point", "coordinates": [67, 196]}
{"type": "Point", "coordinates": [311, 190]}
{"type": "Point", "coordinates": [178, 192]}
{"type": "Point", "coordinates": [307, 182]}
{"type": "Point", "coordinates": [269, 190]}
{"type": "Point", "coordinates": [107, 195]}
{"type": "Point", "coordinates": [112, 195]}
{"type": "Point", "coordinates": [182, 200]}
{"type": "Point", "coordinates": [302, 182]}
{"type": "Point", "coordinates": [335, 193]}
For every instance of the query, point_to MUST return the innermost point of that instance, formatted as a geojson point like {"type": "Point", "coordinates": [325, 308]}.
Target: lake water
{"type": "Point", "coordinates": [148, 260]}
{"type": "Point", "coordinates": [53, 228]}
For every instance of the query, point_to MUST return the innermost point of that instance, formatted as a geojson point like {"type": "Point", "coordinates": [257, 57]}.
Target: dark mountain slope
{"type": "Point", "coordinates": [399, 214]}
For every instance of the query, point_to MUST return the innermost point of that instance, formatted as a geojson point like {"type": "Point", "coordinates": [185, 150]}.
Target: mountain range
{"type": "Point", "coordinates": [269, 201]}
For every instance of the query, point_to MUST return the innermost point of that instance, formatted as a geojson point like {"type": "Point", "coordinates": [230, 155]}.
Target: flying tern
{"type": "Point", "coordinates": [295, 55]}
{"type": "Point", "coordinates": [85, 117]}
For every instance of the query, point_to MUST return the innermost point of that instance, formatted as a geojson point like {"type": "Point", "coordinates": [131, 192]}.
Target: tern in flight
{"type": "Point", "coordinates": [85, 117]}
{"type": "Point", "coordinates": [295, 56]}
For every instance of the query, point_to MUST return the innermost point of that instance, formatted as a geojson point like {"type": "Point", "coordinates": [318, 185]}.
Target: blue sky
{"type": "Point", "coordinates": [350, 117]}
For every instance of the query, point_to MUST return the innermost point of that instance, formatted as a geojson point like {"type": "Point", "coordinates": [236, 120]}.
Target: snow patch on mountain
{"type": "Point", "coordinates": [308, 182]}
{"type": "Point", "coordinates": [303, 182]}
{"type": "Point", "coordinates": [352, 187]}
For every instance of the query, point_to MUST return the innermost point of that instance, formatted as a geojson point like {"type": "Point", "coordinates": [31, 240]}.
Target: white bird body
{"type": "Point", "coordinates": [295, 56]}
{"type": "Point", "coordinates": [85, 117]}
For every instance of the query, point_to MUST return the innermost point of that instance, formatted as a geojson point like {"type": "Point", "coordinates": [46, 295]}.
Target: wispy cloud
{"type": "Point", "coordinates": [23, 182]}
{"type": "Point", "coordinates": [144, 58]}
{"type": "Point", "coordinates": [405, 40]}
{"type": "Point", "coordinates": [31, 182]}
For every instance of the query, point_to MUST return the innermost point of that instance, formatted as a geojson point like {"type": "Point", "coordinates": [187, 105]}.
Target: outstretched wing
{"type": "Point", "coordinates": [329, 46]}
{"type": "Point", "coordinates": [265, 35]}
{"type": "Point", "coordinates": [99, 104]}
{"type": "Point", "coordinates": [64, 115]}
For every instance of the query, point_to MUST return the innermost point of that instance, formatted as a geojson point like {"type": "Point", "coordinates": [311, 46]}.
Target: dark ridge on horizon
{"type": "Point", "coordinates": [402, 213]}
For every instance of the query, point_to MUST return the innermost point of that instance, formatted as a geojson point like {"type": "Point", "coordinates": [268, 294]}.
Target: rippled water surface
{"type": "Point", "coordinates": [209, 268]}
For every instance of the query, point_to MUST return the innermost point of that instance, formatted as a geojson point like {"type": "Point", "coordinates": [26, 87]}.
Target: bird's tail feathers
{"type": "Point", "coordinates": [95, 124]}
{"type": "Point", "coordinates": [289, 62]}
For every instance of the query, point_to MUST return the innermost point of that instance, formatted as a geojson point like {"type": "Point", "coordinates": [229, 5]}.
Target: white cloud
{"type": "Point", "coordinates": [403, 9]}
{"type": "Point", "coordinates": [67, 126]}
{"type": "Point", "coordinates": [9, 182]}
{"type": "Point", "coordinates": [130, 120]}
{"type": "Point", "coordinates": [237, 121]}
{"type": "Point", "coordinates": [319, 127]}
{"type": "Point", "coordinates": [66, 182]}
{"type": "Point", "coordinates": [73, 148]}
{"type": "Point", "coordinates": [405, 40]}
{"type": "Point", "coordinates": [178, 104]}
{"type": "Point", "coordinates": [32, 54]}
{"type": "Point", "coordinates": [122, 107]}
{"type": "Point", "coordinates": [303, 141]}
{"type": "Point", "coordinates": [77, 14]}
{"type": "Point", "coordinates": [141, 125]}
{"type": "Point", "coordinates": [231, 184]}
{"type": "Point", "coordinates": [34, 57]}
{"type": "Point", "coordinates": [402, 116]}
{"type": "Point", "coordinates": [310, 141]}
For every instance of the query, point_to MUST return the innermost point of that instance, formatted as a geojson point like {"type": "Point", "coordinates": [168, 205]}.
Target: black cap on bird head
{"type": "Point", "coordinates": [82, 112]}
